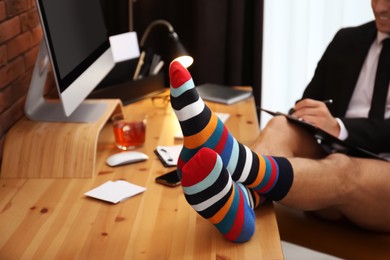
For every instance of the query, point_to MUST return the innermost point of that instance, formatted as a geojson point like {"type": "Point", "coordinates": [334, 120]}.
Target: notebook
{"type": "Point", "coordinates": [222, 94]}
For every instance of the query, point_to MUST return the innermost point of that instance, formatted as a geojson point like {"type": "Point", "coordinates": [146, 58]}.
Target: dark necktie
{"type": "Point", "coordinates": [381, 86]}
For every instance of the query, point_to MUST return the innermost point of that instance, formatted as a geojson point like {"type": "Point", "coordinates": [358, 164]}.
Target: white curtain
{"type": "Point", "coordinates": [296, 34]}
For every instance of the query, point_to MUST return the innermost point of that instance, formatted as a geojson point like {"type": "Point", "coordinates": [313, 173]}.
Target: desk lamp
{"type": "Point", "coordinates": [179, 52]}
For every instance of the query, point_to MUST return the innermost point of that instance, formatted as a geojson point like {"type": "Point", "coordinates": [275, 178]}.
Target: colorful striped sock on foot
{"type": "Point", "coordinates": [269, 176]}
{"type": "Point", "coordinates": [210, 190]}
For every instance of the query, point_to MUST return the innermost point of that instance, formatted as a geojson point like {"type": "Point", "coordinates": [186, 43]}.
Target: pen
{"type": "Point", "coordinates": [158, 67]}
{"type": "Point", "coordinates": [139, 65]}
{"type": "Point", "coordinates": [326, 101]}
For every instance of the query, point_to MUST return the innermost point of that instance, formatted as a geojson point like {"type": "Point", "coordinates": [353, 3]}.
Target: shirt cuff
{"type": "Point", "coordinates": [343, 131]}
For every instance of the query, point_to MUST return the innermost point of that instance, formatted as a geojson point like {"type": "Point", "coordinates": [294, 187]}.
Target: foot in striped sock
{"type": "Point", "coordinates": [210, 190]}
{"type": "Point", "coordinates": [269, 176]}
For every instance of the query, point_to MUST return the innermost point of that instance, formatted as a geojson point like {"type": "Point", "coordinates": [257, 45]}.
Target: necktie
{"type": "Point", "coordinates": [381, 86]}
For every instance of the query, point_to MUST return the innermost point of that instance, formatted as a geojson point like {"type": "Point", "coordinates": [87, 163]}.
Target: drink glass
{"type": "Point", "coordinates": [129, 130]}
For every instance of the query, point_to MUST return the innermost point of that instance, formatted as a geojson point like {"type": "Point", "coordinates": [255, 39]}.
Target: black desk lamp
{"type": "Point", "coordinates": [179, 52]}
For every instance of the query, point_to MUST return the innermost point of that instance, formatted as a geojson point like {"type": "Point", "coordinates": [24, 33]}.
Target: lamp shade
{"type": "Point", "coordinates": [176, 48]}
{"type": "Point", "coordinates": [179, 53]}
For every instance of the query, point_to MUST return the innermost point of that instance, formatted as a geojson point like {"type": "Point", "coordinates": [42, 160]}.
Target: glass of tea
{"type": "Point", "coordinates": [129, 130]}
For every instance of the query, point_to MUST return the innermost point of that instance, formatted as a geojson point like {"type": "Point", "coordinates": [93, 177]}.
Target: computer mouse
{"type": "Point", "coordinates": [126, 158]}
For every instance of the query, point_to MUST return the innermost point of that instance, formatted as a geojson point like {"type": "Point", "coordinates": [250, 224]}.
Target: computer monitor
{"type": "Point", "coordinates": [76, 42]}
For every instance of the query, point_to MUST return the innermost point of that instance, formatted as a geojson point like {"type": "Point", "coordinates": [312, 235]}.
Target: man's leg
{"type": "Point", "coordinates": [359, 189]}
{"type": "Point", "coordinates": [222, 179]}
{"type": "Point", "coordinates": [282, 138]}
{"type": "Point", "coordinates": [210, 190]}
{"type": "Point", "coordinates": [202, 128]}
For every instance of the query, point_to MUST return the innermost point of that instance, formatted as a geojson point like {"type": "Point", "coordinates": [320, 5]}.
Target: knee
{"type": "Point", "coordinates": [290, 140]}
{"type": "Point", "coordinates": [275, 138]}
{"type": "Point", "coordinates": [275, 125]}
{"type": "Point", "coordinates": [277, 122]}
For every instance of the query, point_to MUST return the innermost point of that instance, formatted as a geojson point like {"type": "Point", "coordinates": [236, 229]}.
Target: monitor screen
{"type": "Point", "coordinates": [77, 44]}
{"type": "Point", "coordinates": [76, 34]}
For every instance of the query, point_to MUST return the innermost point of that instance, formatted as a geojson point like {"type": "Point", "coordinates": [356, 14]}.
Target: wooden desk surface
{"type": "Point", "coordinates": [52, 219]}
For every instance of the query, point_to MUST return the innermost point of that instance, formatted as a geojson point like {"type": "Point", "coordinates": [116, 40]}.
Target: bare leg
{"type": "Point", "coordinates": [355, 188]}
{"type": "Point", "coordinates": [281, 138]}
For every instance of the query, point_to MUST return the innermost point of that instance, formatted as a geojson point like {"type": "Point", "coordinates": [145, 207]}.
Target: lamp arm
{"type": "Point", "coordinates": [152, 25]}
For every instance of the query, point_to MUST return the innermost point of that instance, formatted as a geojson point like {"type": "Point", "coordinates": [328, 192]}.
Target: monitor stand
{"type": "Point", "coordinates": [53, 148]}
{"type": "Point", "coordinates": [38, 108]}
{"type": "Point", "coordinates": [34, 149]}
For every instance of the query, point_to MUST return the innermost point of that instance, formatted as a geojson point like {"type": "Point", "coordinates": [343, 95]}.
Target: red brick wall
{"type": "Point", "coordinates": [20, 35]}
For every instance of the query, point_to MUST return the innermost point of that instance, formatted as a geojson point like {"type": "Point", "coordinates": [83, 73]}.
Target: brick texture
{"type": "Point", "coordinates": [2, 11]}
{"type": "Point", "coordinates": [20, 36]}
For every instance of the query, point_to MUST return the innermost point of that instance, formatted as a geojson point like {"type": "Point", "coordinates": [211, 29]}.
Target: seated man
{"type": "Point", "coordinates": [224, 180]}
{"type": "Point", "coordinates": [343, 186]}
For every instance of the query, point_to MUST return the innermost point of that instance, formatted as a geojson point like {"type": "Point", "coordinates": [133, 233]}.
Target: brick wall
{"type": "Point", "coordinates": [20, 35]}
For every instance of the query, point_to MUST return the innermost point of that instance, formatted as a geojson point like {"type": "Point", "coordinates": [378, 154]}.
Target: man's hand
{"type": "Point", "coordinates": [316, 113]}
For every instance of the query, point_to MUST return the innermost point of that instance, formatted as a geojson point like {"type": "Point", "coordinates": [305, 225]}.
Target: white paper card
{"type": "Point", "coordinates": [124, 46]}
{"type": "Point", "coordinates": [115, 191]}
{"type": "Point", "coordinates": [169, 154]}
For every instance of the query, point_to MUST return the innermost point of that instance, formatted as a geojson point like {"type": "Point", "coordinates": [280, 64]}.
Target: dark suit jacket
{"type": "Point", "coordinates": [335, 78]}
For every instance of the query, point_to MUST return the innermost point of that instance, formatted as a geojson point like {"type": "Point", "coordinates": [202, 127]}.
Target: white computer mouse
{"type": "Point", "coordinates": [126, 158]}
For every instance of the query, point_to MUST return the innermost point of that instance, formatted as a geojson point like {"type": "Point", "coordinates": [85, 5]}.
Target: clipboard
{"type": "Point", "coordinates": [328, 142]}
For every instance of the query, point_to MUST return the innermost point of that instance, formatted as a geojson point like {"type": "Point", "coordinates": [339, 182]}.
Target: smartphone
{"type": "Point", "coordinates": [170, 179]}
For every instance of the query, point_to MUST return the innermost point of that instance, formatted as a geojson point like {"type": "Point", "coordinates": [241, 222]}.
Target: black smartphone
{"type": "Point", "coordinates": [170, 179]}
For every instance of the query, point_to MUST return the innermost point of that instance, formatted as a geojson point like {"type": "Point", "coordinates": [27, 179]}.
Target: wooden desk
{"type": "Point", "coordinates": [52, 219]}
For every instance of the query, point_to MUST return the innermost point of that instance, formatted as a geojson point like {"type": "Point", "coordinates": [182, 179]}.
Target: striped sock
{"type": "Point", "coordinates": [269, 176]}
{"type": "Point", "coordinates": [211, 192]}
